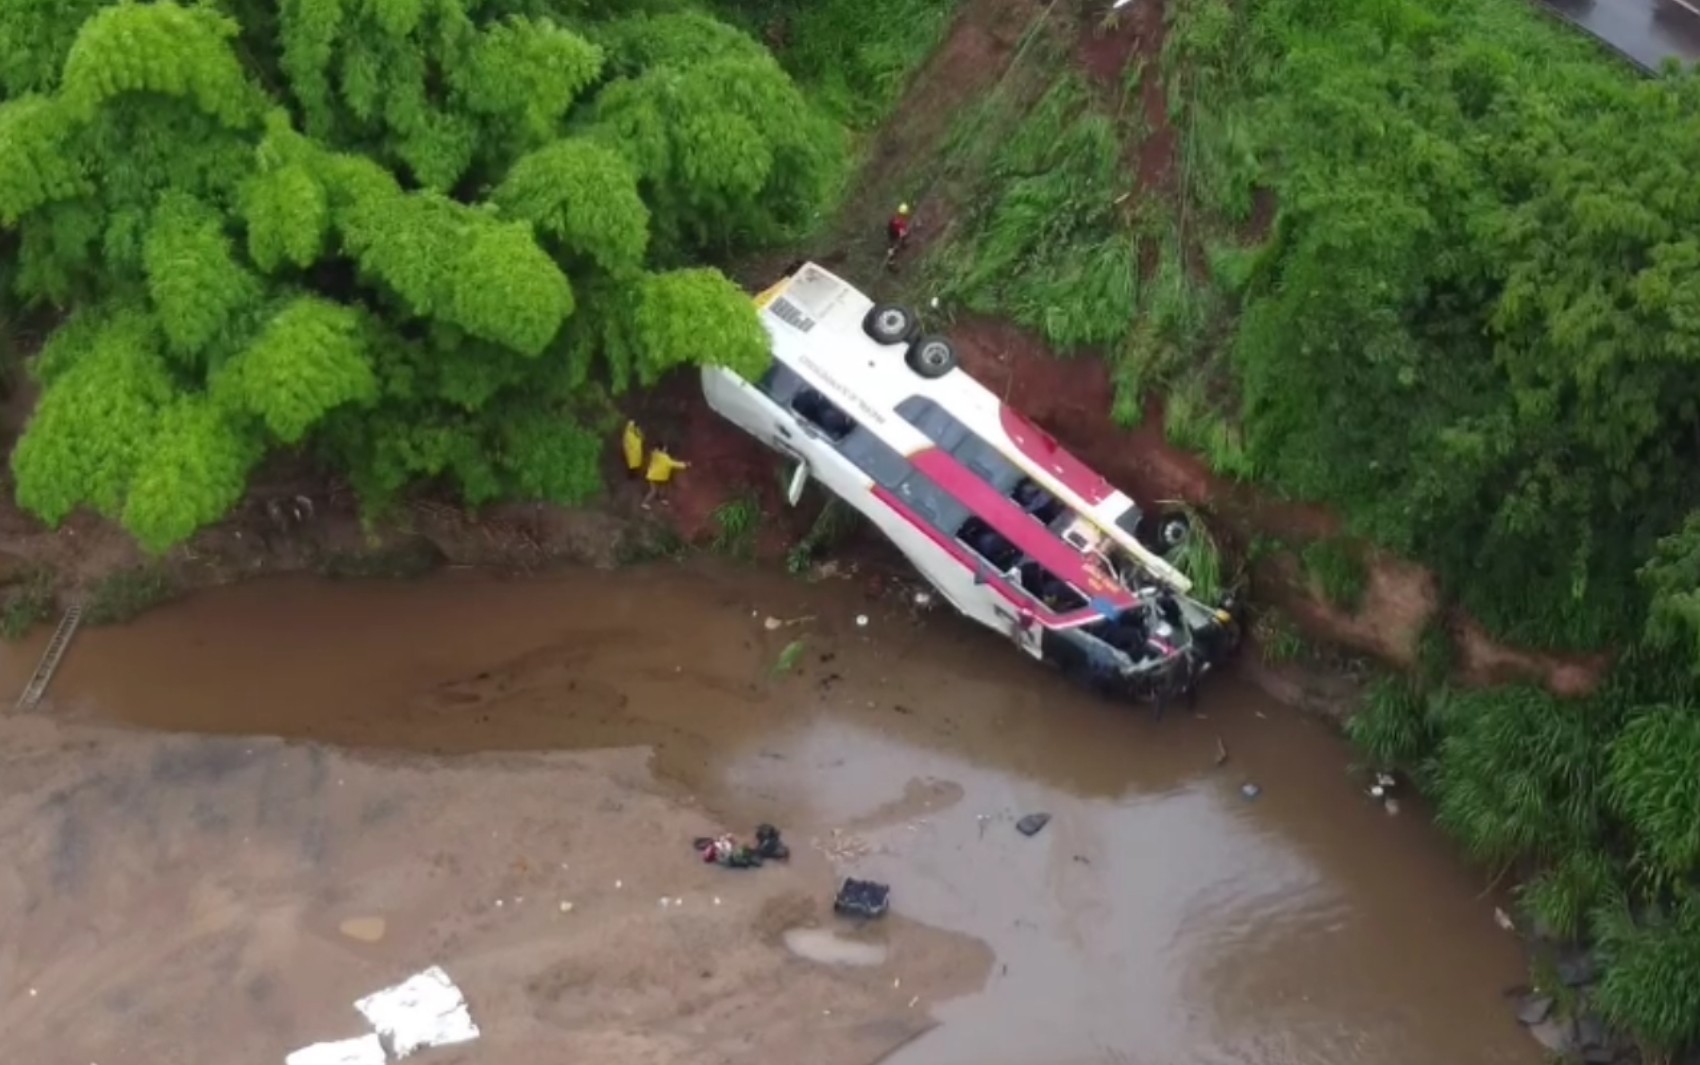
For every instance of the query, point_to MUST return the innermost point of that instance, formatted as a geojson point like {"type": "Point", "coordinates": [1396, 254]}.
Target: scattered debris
{"type": "Point", "coordinates": [1032, 823]}
{"type": "Point", "coordinates": [774, 624]}
{"type": "Point", "coordinates": [842, 846]}
{"type": "Point", "coordinates": [566, 907]}
{"type": "Point", "coordinates": [861, 621]}
{"type": "Point", "coordinates": [1505, 923]}
{"type": "Point", "coordinates": [364, 929]}
{"type": "Point", "coordinates": [1392, 807]}
{"type": "Point", "coordinates": [1221, 753]}
{"type": "Point", "coordinates": [366, 1050]}
{"type": "Point", "coordinates": [769, 845]}
{"type": "Point", "coordinates": [1250, 790]}
{"type": "Point", "coordinates": [726, 850]}
{"type": "Point", "coordinates": [862, 898]}
{"type": "Point", "coordinates": [788, 657]}
{"type": "Point", "coordinates": [425, 1010]}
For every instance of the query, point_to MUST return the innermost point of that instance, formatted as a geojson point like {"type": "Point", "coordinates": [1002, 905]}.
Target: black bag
{"type": "Point", "coordinates": [862, 898]}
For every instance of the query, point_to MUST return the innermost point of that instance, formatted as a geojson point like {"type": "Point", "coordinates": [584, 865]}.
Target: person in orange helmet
{"type": "Point", "coordinates": [897, 230]}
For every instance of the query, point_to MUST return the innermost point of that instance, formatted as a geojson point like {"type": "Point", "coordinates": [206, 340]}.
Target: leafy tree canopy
{"type": "Point", "coordinates": [425, 237]}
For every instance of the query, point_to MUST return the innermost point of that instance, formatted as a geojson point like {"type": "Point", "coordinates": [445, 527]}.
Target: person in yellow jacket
{"type": "Point", "coordinates": [661, 467]}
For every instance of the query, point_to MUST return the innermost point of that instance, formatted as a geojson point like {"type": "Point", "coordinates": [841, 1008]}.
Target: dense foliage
{"type": "Point", "coordinates": [853, 56]}
{"type": "Point", "coordinates": [424, 237]}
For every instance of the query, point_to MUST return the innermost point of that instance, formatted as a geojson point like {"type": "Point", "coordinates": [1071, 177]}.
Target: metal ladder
{"type": "Point", "coordinates": [51, 657]}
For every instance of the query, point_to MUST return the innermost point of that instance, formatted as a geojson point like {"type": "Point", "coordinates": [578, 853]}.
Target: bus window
{"type": "Point", "coordinates": [876, 458]}
{"type": "Point", "coordinates": [780, 383]}
{"type": "Point", "coordinates": [932, 503]}
{"type": "Point", "coordinates": [989, 544]}
{"type": "Point", "coordinates": [986, 463]}
{"type": "Point", "coordinates": [1050, 589]}
{"type": "Point", "coordinates": [966, 446]}
{"type": "Point", "coordinates": [822, 413]}
{"type": "Point", "coordinates": [934, 422]}
{"type": "Point", "coordinates": [1029, 496]}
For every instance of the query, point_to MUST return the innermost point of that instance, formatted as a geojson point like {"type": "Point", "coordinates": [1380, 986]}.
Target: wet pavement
{"type": "Point", "coordinates": [1646, 32]}
{"type": "Point", "coordinates": [1159, 916]}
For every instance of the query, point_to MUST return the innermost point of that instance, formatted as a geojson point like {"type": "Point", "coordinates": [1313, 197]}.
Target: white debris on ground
{"type": "Point", "coordinates": [366, 1050]}
{"type": "Point", "coordinates": [425, 1010]}
{"type": "Point", "coordinates": [842, 846]}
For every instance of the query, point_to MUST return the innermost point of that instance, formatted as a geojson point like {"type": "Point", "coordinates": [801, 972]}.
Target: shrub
{"type": "Point", "coordinates": [1393, 726]}
{"type": "Point", "coordinates": [1651, 981]}
{"type": "Point", "coordinates": [1653, 783]}
{"type": "Point", "coordinates": [1518, 774]}
{"type": "Point", "coordinates": [123, 594]}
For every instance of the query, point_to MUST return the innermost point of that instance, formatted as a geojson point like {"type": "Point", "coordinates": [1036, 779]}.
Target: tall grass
{"type": "Point", "coordinates": [1044, 243]}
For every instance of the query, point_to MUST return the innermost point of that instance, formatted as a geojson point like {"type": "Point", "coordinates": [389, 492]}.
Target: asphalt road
{"type": "Point", "coordinates": [1646, 32]}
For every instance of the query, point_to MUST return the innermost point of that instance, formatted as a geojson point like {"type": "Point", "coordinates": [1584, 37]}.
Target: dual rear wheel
{"type": "Point", "coordinates": [891, 324]}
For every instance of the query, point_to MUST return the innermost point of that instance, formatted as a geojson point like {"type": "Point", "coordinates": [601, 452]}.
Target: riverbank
{"type": "Point", "coordinates": [1159, 912]}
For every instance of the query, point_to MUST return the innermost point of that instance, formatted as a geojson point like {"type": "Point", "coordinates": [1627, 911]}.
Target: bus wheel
{"type": "Point", "coordinates": [932, 356]}
{"type": "Point", "coordinates": [889, 324]}
{"type": "Point", "coordinates": [1173, 528]}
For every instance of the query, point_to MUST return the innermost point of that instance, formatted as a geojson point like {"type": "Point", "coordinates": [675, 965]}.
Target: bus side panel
{"type": "Point", "coordinates": [746, 406]}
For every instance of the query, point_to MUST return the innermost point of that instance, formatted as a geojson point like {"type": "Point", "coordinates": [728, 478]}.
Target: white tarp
{"type": "Point", "coordinates": [367, 1050]}
{"type": "Point", "coordinates": [425, 1010]}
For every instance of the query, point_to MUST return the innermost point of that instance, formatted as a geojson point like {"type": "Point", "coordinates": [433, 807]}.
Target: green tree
{"type": "Point", "coordinates": [422, 238]}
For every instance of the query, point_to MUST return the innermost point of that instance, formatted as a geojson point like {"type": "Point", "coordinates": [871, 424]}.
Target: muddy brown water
{"type": "Point", "coordinates": [1160, 917]}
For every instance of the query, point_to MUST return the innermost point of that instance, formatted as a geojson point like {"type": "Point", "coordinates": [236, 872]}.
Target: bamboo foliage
{"type": "Point", "coordinates": [403, 233]}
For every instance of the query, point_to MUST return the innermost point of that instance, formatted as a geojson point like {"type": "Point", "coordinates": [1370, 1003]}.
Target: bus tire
{"type": "Point", "coordinates": [1169, 529]}
{"type": "Point", "coordinates": [932, 356]}
{"type": "Point", "coordinates": [889, 323]}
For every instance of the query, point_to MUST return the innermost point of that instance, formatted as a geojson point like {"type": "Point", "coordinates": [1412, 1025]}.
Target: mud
{"type": "Point", "coordinates": [187, 892]}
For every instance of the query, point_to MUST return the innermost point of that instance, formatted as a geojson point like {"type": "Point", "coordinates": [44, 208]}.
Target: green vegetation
{"type": "Point", "coordinates": [1337, 568]}
{"type": "Point", "coordinates": [27, 603]}
{"type": "Point", "coordinates": [834, 522]}
{"type": "Point", "coordinates": [736, 522]}
{"type": "Point", "coordinates": [412, 556]}
{"type": "Point", "coordinates": [425, 239]}
{"type": "Point", "coordinates": [125, 593]}
{"type": "Point", "coordinates": [852, 56]}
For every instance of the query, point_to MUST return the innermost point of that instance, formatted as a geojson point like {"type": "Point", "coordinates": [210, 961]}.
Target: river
{"type": "Point", "coordinates": [461, 742]}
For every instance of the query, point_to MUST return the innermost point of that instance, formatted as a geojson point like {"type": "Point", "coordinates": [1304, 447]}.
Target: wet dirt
{"type": "Point", "coordinates": [192, 889]}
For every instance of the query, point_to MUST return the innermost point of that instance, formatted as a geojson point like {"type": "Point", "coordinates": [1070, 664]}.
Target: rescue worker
{"type": "Point", "coordinates": [660, 470]}
{"type": "Point", "coordinates": [896, 233]}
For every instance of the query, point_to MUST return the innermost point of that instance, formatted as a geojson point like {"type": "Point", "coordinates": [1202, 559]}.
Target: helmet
{"type": "Point", "coordinates": [902, 208]}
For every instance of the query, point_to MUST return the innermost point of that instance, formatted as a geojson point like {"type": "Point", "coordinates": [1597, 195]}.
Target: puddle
{"type": "Point", "coordinates": [830, 948]}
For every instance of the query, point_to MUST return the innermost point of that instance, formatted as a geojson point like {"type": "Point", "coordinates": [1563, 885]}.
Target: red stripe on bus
{"type": "Point", "coordinates": [1043, 449]}
{"type": "Point", "coordinates": [1017, 526]}
{"type": "Point", "coordinates": [973, 562]}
